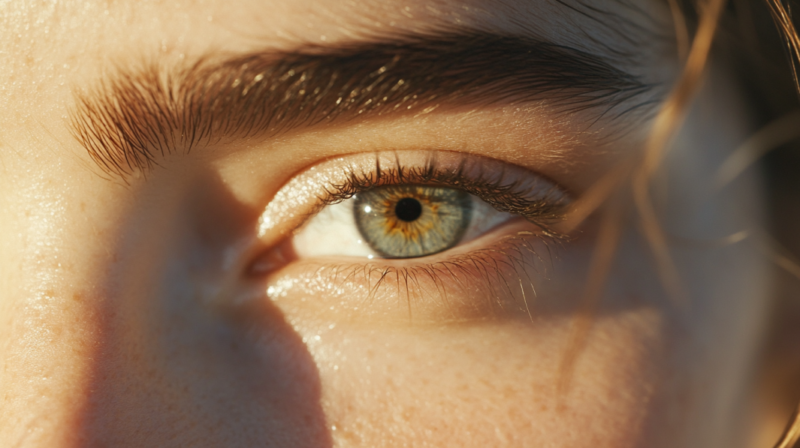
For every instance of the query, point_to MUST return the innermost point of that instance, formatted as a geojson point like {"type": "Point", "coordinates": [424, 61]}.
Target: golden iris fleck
{"type": "Point", "coordinates": [405, 221]}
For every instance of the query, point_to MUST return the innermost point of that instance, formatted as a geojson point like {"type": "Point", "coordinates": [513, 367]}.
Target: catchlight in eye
{"type": "Point", "coordinates": [406, 221]}
{"type": "Point", "coordinates": [407, 206]}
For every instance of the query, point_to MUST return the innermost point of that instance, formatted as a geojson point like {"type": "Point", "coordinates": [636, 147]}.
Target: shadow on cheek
{"type": "Point", "coordinates": [169, 370]}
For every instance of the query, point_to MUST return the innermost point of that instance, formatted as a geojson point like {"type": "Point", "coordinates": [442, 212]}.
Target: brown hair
{"type": "Point", "coordinates": [760, 42]}
{"type": "Point", "coordinates": [766, 61]}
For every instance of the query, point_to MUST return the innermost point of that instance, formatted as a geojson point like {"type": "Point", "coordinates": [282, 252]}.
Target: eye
{"type": "Point", "coordinates": [388, 206]}
{"type": "Point", "coordinates": [397, 221]}
{"type": "Point", "coordinates": [368, 237]}
{"type": "Point", "coordinates": [412, 220]}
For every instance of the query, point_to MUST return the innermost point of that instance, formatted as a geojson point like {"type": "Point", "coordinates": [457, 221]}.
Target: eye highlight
{"type": "Point", "coordinates": [416, 205]}
{"type": "Point", "coordinates": [408, 221]}
{"type": "Point", "coordinates": [453, 236]}
{"type": "Point", "coordinates": [397, 222]}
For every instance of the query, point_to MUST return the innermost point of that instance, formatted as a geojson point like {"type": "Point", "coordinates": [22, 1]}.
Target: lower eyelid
{"type": "Point", "coordinates": [468, 283]}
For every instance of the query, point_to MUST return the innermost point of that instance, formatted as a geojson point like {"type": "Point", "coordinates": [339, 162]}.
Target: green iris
{"type": "Point", "coordinates": [406, 221]}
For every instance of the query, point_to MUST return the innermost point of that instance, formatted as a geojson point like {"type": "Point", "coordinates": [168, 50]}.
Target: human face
{"type": "Point", "coordinates": [178, 299]}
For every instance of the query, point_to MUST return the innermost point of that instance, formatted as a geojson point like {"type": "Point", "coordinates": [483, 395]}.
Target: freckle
{"type": "Point", "coordinates": [83, 206]}
{"type": "Point", "coordinates": [76, 296]}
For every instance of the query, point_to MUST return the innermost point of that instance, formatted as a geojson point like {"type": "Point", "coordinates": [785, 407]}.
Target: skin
{"type": "Point", "coordinates": [120, 326]}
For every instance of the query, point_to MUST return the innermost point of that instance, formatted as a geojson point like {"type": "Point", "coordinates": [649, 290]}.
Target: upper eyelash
{"type": "Point", "coordinates": [544, 211]}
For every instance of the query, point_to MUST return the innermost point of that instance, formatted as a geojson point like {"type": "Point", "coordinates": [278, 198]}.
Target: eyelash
{"type": "Point", "coordinates": [424, 286]}
{"type": "Point", "coordinates": [501, 268]}
{"type": "Point", "coordinates": [544, 211]}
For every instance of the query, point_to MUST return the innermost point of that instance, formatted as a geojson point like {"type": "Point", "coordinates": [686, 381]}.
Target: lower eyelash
{"type": "Point", "coordinates": [483, 284]}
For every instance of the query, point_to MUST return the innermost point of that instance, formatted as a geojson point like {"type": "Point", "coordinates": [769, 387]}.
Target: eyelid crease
{"type": "Point", "coordinates": [545, 209]}
{"type": "Point", "coordinates": [521, 193]}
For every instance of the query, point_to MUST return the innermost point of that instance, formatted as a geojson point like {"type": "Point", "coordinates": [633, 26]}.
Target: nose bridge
{"type": "Point", "coordinates": [170, 371]}
{"type": "Point", "coordinates": [170, 364]}
{"type": "Point", "coordinates": [109, 340]}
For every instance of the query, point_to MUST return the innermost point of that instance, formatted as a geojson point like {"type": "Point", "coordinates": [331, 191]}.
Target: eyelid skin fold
{"type": "Point", "coordinates": [506, 187]}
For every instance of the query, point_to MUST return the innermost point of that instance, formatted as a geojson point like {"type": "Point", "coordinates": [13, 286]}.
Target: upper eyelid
{"type": "Point", "coordinates": [504, 195]}
{"type": "Point", "coordinates": [288, 211]}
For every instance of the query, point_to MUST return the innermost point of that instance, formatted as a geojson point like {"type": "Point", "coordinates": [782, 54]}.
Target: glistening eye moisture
{"type": "Point", "coordinates": [405, 221]}
{"type": "Point", "coordinates": [420, 225]}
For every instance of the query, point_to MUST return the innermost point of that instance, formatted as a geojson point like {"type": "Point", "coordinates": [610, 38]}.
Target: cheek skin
{"type": "Point", "coordinates": [50, 297]}
{"type": "Point", "coordinates": [485, 385]}
{"type": "Point", "coordinates": [650, 373]}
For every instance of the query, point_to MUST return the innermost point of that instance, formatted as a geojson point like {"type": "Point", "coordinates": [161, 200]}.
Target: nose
{"type": "Point", "coordinates": [115, 336]}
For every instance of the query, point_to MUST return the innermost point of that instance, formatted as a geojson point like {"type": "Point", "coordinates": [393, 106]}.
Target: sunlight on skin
{"type": "Point", "coordinates": [127, 317]}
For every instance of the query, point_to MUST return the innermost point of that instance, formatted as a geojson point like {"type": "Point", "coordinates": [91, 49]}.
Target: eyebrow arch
{"type": "Point", "coordinates": [131, 119]}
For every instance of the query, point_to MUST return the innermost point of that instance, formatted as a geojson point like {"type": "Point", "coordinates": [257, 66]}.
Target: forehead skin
{"type": "Point", "coordinates": [70, 240]}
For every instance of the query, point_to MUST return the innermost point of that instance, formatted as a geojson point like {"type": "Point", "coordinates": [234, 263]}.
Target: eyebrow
{"type": "Point", "coordinates": [131, 119]}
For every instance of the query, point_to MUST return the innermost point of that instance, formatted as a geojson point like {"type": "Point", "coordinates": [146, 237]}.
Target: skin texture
{"type": "Point", "coordinates": [127, 317]}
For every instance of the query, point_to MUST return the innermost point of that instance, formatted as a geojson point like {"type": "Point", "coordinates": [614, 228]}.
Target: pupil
{"type": "Point", "coordinates": [408, 209]}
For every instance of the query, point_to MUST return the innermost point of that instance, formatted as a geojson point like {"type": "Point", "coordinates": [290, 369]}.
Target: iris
{"type": "Point", "coordinates": [406, 221]}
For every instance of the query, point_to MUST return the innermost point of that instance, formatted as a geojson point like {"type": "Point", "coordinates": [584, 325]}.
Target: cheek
{"type": "Point", "coordinates": [50, 296]}
{"type": "Point", "coordinates": [638, 369]}
{"type": "Point", "coordinates": [485, 385]}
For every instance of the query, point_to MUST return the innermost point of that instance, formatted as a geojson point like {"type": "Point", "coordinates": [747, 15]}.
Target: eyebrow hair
{"type": "Point", "coordinates": [132, 118]}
